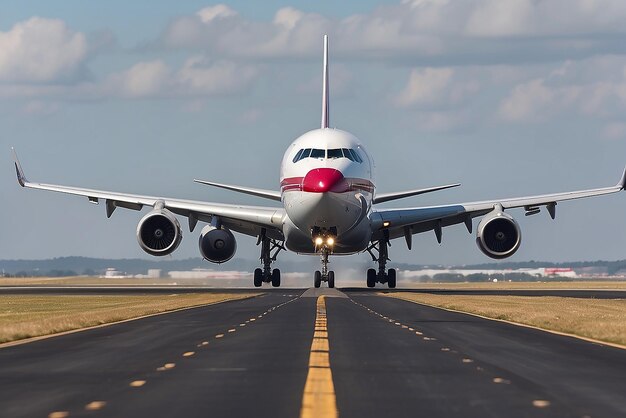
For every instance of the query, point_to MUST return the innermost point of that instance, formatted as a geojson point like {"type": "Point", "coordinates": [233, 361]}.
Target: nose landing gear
{"type": "Point", "coordinates": [324, 242]}
{"type": "Point", "coordinates": [382, 275]}
{"type": "Point", "coordinates": [325, 275]}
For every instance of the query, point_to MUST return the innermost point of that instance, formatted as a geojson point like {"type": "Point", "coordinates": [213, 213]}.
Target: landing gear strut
{"type": "Point", "coordinates": [325, 275]}
{"type": "Point", "coordinates": [382, 275]}
{"type": "Point", "coordinates": [267, 275]}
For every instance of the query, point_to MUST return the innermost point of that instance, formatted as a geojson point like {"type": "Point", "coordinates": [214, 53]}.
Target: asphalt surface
{"type": "Point", "coordinates": [388, 357]}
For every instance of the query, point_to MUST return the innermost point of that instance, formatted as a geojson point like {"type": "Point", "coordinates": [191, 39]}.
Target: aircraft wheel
{"type": "Point", "coordinates": [317, 278]}
{"type": "Point", "coordinates": [276, 278]}
{"type": "Point", "coordinates": [391, 278]}
{"type": "Point", "coordinates": [331, 279]}
{"type": "Point", "coordinates": [371, 278]}
{"type": "Point", "coordinates": [258, 277]}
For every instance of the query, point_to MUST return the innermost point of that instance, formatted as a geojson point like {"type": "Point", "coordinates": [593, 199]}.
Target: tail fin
{"type": "Point", "coordinates": [325, 86]}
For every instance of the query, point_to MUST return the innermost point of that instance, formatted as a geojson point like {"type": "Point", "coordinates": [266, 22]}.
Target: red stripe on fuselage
{"type": "Point", "coordinates": [323, 180]}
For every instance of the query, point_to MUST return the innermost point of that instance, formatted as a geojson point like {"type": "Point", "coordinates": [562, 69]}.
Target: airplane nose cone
{"type": "Point", "coordinates": [323, 180]}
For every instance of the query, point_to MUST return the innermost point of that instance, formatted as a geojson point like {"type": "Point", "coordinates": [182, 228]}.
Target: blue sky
{"type": "Point", "coordinates": [142, 97]}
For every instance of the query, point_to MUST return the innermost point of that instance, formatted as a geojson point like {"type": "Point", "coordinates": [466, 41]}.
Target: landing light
{"type": "Point", "coordinates": [386, 224]}
{"type": "Point", "coordinates": [330, 241]}
{"type": "Point", "coordinates": [319, 241]}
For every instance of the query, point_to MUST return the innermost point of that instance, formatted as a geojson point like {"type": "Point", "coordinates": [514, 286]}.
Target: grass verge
{"type": "Point", "coordinates": [503, 285]}
{"type": "Point", "coordinates": [599, 319]}
{"type": "Point", "coordinates": [25, 316]}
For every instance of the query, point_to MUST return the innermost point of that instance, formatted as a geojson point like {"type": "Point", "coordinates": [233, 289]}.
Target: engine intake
{"type": "Point", "coordinates": [159, 233]}
{"type": "Point", "coordinates": [498, 235]}
{"type": "Point", "coordinates": [217, 245]}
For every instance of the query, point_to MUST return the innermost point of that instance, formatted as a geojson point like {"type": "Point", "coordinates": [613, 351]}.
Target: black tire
{"type": "Point", "coordinates": [258, 277]}
{"type": "Point", "coordinates": [276, 278]}
{"type": "Point", "coordinates": [331, 279]}
{"type": "Point", "coordinates": [317, 279]}
{"type": "Point", "coordinates": [391, 278]}
{"type": "Point", "coordinates": [371, 278]}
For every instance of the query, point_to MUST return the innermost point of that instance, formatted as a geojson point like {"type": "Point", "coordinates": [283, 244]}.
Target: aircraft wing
{"type": "Point", "coordinates": [248, 220]}
{"type": "Point", "coordinates": [406, 222]}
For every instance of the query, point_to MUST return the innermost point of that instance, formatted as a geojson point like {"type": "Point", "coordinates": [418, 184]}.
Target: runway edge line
{"type": "Point", "coordinates": [108, 324]}
{"type": "Point", "coordinates": [518, 324]}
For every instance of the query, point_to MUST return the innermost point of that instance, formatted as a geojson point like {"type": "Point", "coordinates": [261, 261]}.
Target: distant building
{"type": "Point", "coordinates": [112, 273]}
{"type": "Point", "coordinates": [537, 272]}
{"type": "Point", "coordinates": [154, 273]}
{"type": "Point", "coordinates": [208, 274]}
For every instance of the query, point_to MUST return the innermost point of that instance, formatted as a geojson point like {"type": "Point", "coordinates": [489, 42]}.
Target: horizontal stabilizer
{"type": "Point", "coordinates": [386, 197]}
{"type": "Point", "coordinates": [266, 194]}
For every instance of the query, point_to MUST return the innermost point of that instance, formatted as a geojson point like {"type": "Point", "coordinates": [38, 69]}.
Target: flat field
{"type": "Point", "coordinates": [599, 319]}
{"type": "Point", "coordinates": [554, 285]}
{"type": "Point", "coordinates": [25, 316]}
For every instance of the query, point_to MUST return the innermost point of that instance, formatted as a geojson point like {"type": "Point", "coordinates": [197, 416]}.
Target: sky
{"type": "Point", "coordinates": [509, 98]}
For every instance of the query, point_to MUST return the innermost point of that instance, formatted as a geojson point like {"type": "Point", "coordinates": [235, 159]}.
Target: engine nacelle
{"type": "Point", "coordinates": [498, 235]}
{"type": "Point", "coordinates": [159, 232]}
{"type": "Point", "coordinates": [217, 245]}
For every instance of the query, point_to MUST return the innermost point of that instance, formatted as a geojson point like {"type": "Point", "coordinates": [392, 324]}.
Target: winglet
{"type": "Point", "coordinates": [622, 181]}
{"type": "Point", "coordinates": [21, 178]}
{"type": "Point", "coordinates": [325, 110]}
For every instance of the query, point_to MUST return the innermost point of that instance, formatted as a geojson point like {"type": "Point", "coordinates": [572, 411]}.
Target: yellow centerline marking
{"type": "Point", "coordinates": [95, 405]}
{"type": "Point", "coordinates": [188, 354]}
{"type": "Point", "coordinates": [58, 414]}
{"type": "Point", "coordinates": [219, 335]}
{"type": "Point", "coordinates": [166, 366]}
{"type": "Point", "coordinates": [319, 399]}
{"type": "Point", "coordinates": [137, 383]}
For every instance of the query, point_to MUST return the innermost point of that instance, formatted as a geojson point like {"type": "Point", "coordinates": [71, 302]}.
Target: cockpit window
{"type": "Point", "coordinates": [297, 157]}
{"type": "Point", "coordinates": [334, 153]}
{"type": "Point", "coordinates": [356, 155]}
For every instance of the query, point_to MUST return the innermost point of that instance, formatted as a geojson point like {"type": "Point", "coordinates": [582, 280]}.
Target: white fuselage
{"type": "Point", "coordinates": [327, 189]}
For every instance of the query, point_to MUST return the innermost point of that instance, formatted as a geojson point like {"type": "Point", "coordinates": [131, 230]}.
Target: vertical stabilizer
{"type": "Point", "coordinates": [325, 86]}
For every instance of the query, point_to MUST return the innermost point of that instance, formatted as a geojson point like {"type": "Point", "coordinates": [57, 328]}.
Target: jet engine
{"type": "Point", "coordinates": [217, 245]}
{"type": "Point", "coordinates": [498, 235]}
{"type": "Point", "coordinates": [159, 232]}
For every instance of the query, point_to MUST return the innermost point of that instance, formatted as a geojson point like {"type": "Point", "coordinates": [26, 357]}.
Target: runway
{"type": "Point", "coordinates": [253, 357]}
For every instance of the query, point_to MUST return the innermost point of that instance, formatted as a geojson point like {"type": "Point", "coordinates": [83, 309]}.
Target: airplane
{"type": "Point", "coordinates": [328, 198]}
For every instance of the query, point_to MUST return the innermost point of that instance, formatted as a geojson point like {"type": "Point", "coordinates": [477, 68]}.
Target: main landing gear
{"type": "Point", "coordinates": [383, 275]}
{"type": "Point", "coordinates": [266, 274]}
{"type": "Point", "coordinates": [325, 275]}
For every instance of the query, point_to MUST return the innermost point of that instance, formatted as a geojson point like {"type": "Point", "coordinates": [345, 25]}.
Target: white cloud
{"type": "Point", "coordinates": [500, 18]}
{"type": "Point", "coordinates": [142, 79]}
{"type": "Point", "coordinates": [431, 31]}
{"type": "Point", "coordinates": [288, 17]}
{"type": "Point", "coordinates": [197, 77]}
{"type": "Point", "coordinates": [527, 101]}
{"type": "Point", "coordinates": [41, 50]}
{"type": "Point", "coordinates": [219, 11]}
{"type": "Point", "coordinates": [425, 86]}
{"type": "Point", "coordinates": [594, 88]}
{"type": "Point", "coordinates": [435, 87]}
